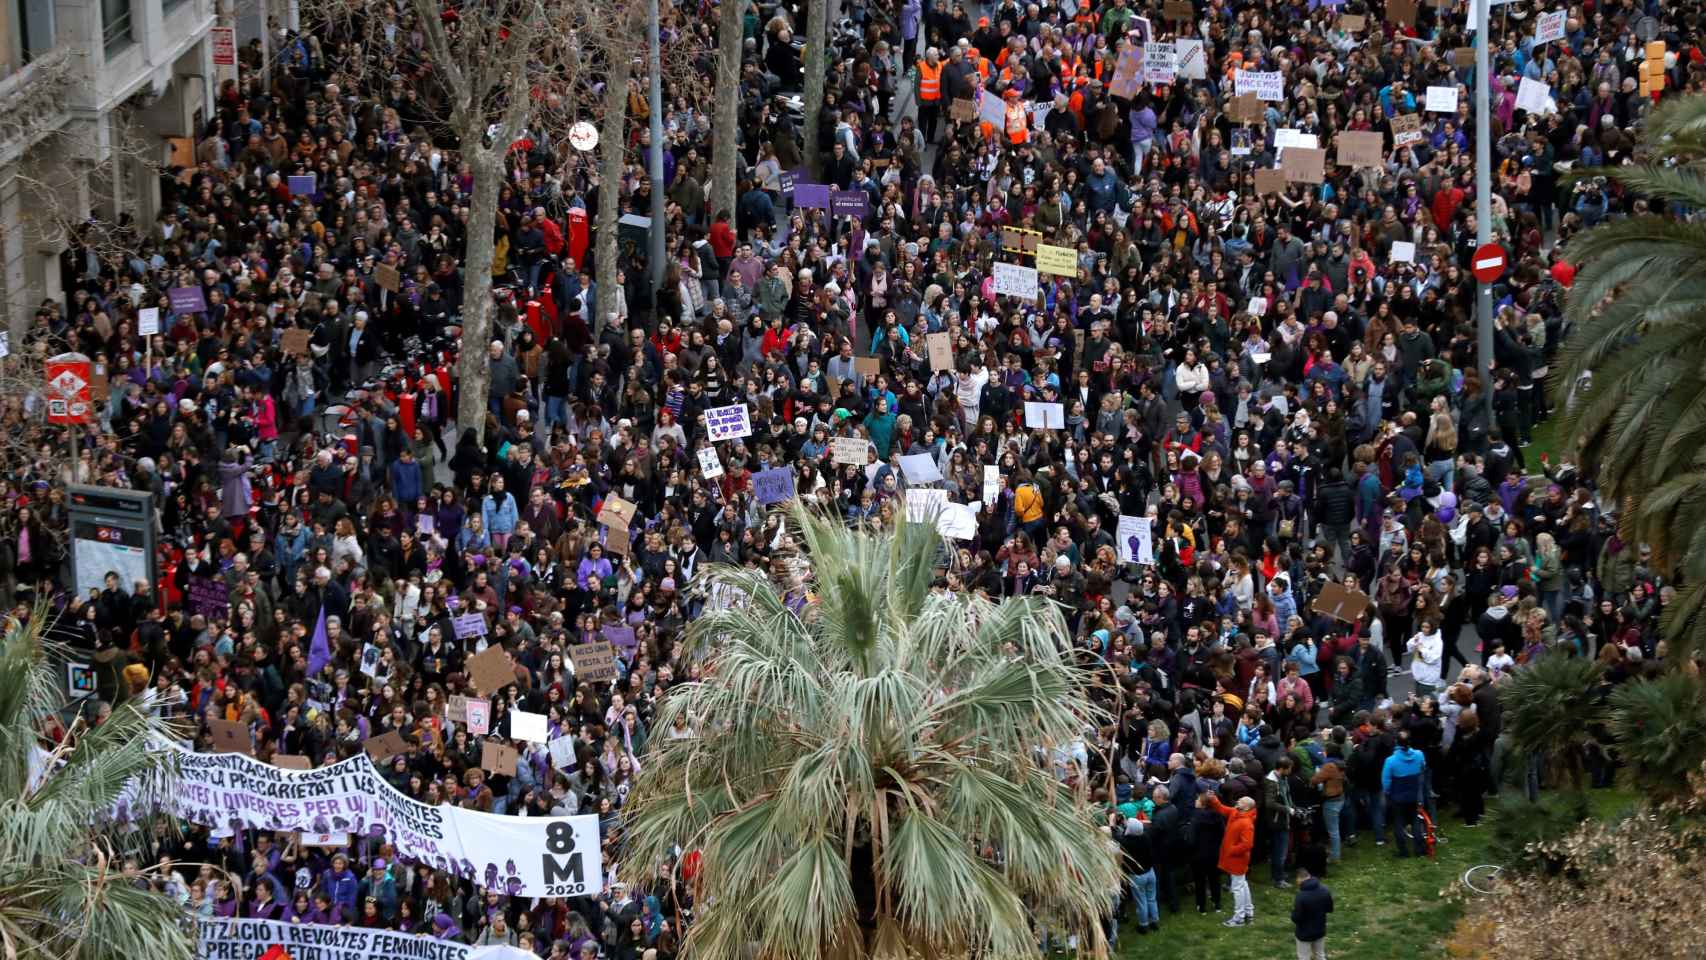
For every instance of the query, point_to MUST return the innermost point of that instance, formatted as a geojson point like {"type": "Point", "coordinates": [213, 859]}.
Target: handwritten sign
{"type": "Point", "coordinates": [303, 185]}
{"type": "Point", "coordinates": [1057, 261]}
{"type": "Point", "coordinates": [1534, 96]}
{"type": "Point", "coordinates": [148, 321]}
{"type": "Point", "coordinates": [1246, 108]}
{"type": "Point", "coordinates": [1160, 63]}
{"type": "Point", "coordinates": [385, 746]}
{"type": "Point", "coordinates": [489, 671]}
{"type": "Point", "coordinates": [615, 511]}
{"type": "Point", "coordinates": [1190, 60]}
{"type": "Point", "coordinates": [1441, 100]}
{"type": "Point", "coordinates": [1549, 27]}
{"type": "Point", "coordinates": [469, 625]}
{"type": "Point", "coordinates": [1341, 603]}
{"type": "Point", "coordinates": [594, 662]}
{"type": "Point", "coordinates": [1266, 85]}
{"type": "Point", "coordinates": [1013, 280]}
{"type": "Point", "coordinates": [774, 485]}
{"type": "Point", "coordinates": [962, 111]}
{"type": "Point", "coordinates": [849, 450]}
{"type": "Point", "coordinates": [532, 727]}
{"type": "Point", "coordinates": [621, 636]}
{"type": "Point", "coordinates": [186, 300]}
{"type": "Point", "coordinates": [230, 736]}
{"type": "Point", "coordinates": [710, 465]}
{"type": "Point", "coordinates": [1403, 251]}
{"type": "Point", "coordinates": [1304, 165]}
{"type": "Point", "coordinates": [1360, 148]}
{"type": "Point", "coordinates": [941, 350]}
{"type": "Point", "coordinates": [295, 341]}
{"type": "Point", "coordinates": [479, 717]}
{"type": "Point", "coordinates": [209, 597]}
{"type": "Point", "coordinates": [387, 277]}
{"type": "Point", "coordinates": [920, 468]}
{"type": "Point", "coordinates": [1270, 181]}
{"type": "Point", "coordinates": [499, 758]}
{"type": "Point", "coordinates": [1406, 130]}
{"type": "Point", "coordinates": [728, 423]}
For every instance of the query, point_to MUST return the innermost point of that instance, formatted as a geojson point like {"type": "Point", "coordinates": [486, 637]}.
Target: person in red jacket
{"type": "Point", "coordinates": [1235, 846]}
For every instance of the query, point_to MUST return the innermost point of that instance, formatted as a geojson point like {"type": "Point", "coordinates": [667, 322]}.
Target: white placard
{"type": "Point", "coordinates": [1012, 280]}
{"type": "Point", "coordinates": [518, 856]}
{"type": "Point", "coordinates": [1549, 27]}
{"type": "Point", "coordinates": [923, 504]}
{"type": "Point", "coordinates": [1190, 60]}
{"type": "Point", "coordinates": [1403, 251]}
{"type": "Point", "coordinates": [1160, 63]}
{"type": "Point", "coordinates": [1290, 137]}
{"type": "Point", "coordinates": [148, 321]}
{"type": "Point", "coordinates": [532, 727]}
{"type": "Point", "coordinates": [710, 465]}
{"type": "Point", "coordinates": [958, 521]}
{"type": "Point", "coordinates": [854, 450]}
{"type": "Point", "coordinates": [920, 468]}
{"type": "Point", "coordinates": [5, 344]}
{"type": "Point", "coordinates": [1050, 416]}
{"type": "Point", "coordinates": [992, 110]}
{"type": "Point", "coordinates": [991, 482]}
{"type": "Point", "coordinates": [1535, 97]}
{"type": "Point", "coordinates": [1258, 306]}
{"type": "Point", "coordinates": [563, 754]}
{"type": "Point", "coordinates": [1266, 85]}
{"type": "Point", "coordinates": [1134, 542]}
{"type": "Point", "coordinates": [1442, 100]}
{"type": "Point", "coordinates": [728, 423]}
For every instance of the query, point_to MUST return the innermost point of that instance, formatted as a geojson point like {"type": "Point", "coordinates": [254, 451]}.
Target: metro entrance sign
{"type": "Point", "coordinates": [1488, 263]}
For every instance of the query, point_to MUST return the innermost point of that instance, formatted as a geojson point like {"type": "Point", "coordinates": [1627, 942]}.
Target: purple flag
{"type": "Point", "coordinates": [320, 651]}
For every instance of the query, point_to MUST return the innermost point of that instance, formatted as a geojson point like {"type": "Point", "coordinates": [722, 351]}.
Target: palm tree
{"type": "Point", "coordinates": [867, 765]}
{"type": "Point", "coordinates": [1552, 707]}
{"type": "Point", "coordinates": [1638, 306]}
{"type": "Point", "coordinates": [62, 892]}
{"type": "Point", "coordinates": [1660, 727]}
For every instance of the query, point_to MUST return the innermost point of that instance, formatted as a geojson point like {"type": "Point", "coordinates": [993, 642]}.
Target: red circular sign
{"type": "Point", "coordinates": [1488, 263]}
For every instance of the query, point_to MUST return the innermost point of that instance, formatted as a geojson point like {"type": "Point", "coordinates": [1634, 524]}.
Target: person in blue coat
{"type": "Point", "coordinates": [1401, 781]}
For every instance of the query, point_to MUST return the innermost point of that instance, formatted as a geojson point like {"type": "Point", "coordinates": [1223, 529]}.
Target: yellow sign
{"type": "Point", "coordinates": [1057, 261]}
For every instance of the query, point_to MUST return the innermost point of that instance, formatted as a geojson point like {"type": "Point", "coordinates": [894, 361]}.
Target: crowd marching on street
{"type": "Point", "coordinates": [1163, 310]}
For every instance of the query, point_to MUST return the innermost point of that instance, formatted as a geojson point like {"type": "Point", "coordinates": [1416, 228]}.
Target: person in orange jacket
{"type": "Point", "coordinates": [1235, 847]}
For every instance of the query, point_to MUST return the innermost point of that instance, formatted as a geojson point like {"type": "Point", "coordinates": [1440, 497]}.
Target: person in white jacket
{"type": "Point", "coordinates": [1428, 645]}
{"type": "Point", "coordinates": [1191, 377]}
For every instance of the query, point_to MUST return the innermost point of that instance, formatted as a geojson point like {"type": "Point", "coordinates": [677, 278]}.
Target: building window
{"type": "Point", "coordinates": [116, 30]}
{"type": "Point", "coordinates": [33, 28]}
{"type": "Point", "coordinates": [169, 5]}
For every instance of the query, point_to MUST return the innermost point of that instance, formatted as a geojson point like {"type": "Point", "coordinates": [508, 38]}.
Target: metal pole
{"type": "Point", "coordinates": [1484, 204]}
{"type": "Point", "coordinates": [658, 186]}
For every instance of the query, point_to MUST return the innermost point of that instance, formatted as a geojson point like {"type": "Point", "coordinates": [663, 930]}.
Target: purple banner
{"type": "Point", "coordinates": [849, 203]}
{"type": "Point", "coordinates": [811, 196]}
{"type": "Point", "coordinates": [187, 300]}
{"type": "Point", "coordinates": [304, 185]}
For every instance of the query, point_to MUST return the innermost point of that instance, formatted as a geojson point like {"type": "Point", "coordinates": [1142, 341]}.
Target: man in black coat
{"type": "Point", "coordinates": [1309, 914]}
{"type": "Point", "coordinates": [1167, 838]}
{"type": "Point", "coordinates": [1335, 510]}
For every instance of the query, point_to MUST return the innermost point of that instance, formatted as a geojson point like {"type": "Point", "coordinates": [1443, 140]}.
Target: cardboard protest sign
{"type": "Point", "coordinates": [1246, 108]}
{"type": "Point", "coordinates": [962, 111]}
{"type": "Point", "coordinates": [490, 670]}
{"type": "Point", "coordinates": [295, 341]}
{"type": "Point", "coordinates": [1337, 602]}
{"type": "Point", "coordinates": [387, 277]}
{"type": "Point", "coordinates": [1406, 130]}
{"type": "Point", "coordinates": [499, 758]}
{"type": "Point", "coordinates": [289, 761]}
{"type": "Point", "coordinates": [867, 366]}
{"type": "Point", "coordinates": [617, 539]}
{"type": "Point", "coordinates": [617, 511]}
{"type": "Point", "coordinates": [1463, 57]}
{"type": "Point", "coordinates": [849, 450]}
{"type": "Point", "coordinates": [456, 709]}
{"type": "Point", "coordinates": [594, 662]}
{"type": "Point", "coordinates": [1178, 10]}
{"type": "Point", "coordinates": [941, 349]}
{"type": "Point", "coordinates": [385, 746]}
{"type": "Point", "coordinates": [1401, 12]}
{"type": "Point", "coordinates": [1352, 22]}
{"type": "Point", "coordinates": [1270, 181]}
{"type": "Point", "coordinates": [1360, 148]}
{"type": "Point", "coordinates": [1304, 165]}
{"type": "Point", "coordinates": [230, 736]}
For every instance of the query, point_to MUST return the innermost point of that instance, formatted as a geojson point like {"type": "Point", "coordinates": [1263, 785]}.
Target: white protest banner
{"type": "Point", "coordinates": [233, 938]}
{"type": "Point", "coordinates": [1134, 542]}
{"type": "Point", "coordinates": [148, 321]}
{"type": "Point", "coordinates": [1534, 96]}
{"type": "Point", "coordinates": [1189, 60]}
{"type": "Point", "coordinates": [1441, 100]}
{"type": "Point", "coordinates": [1014, 280]}
{"type": "Point", "coordinates": [1403, 251]}
{"type": "Point", "coordinates": [1160, 63]}
{"type": "Point", "coordinates": [728, 423]}
{"type": "Point", "coordinates": [1549, 27]}
{"type": "Point", "coordinates": [923, 505]}
{"type": "Point", "coordinates": [710, 465]}
{"type": "Point", "coordinates": [920, 468]}
{"type": "Point", "coordinates": [1050, 416]}
{"type": "Point", "coordinates": [517, 856]}
{"type": "Point", "coordinates": [532, 727]}
{"type": "Point", "coordinates": [849, 450]}
{"type": "Point", "coordinates": [1268, 85]}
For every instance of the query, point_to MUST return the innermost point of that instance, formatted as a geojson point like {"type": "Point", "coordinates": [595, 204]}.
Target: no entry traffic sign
{"type": "Point", "coordinates": [1488, 264]}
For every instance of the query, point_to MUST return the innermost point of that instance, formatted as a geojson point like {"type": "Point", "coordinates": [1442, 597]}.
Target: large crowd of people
{"type": "Point", "coordinates": [1280, 386]}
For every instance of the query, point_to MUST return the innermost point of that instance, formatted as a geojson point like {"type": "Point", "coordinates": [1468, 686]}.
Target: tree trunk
{"type": "Point", "coordinates": [725, 146]}
{"type": "Point", "coordinates": [612, 142]}
{"type": "Point", "coordinates": [473, 368]}
{"type": "Point", "coordinates": [816, 66]}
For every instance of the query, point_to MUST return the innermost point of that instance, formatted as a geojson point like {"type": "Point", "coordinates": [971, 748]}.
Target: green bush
{"type": "Point", "coordinates": [1518, 827]}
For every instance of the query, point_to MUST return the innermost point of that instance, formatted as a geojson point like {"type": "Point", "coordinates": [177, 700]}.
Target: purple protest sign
{"type": "Point", "coordinates": [848, 203]}
{"type": "Point", "coordinates": [186, 300]}
{"type": "Point", "coordinates": [623, 639]}
{"type": "Point", "coordinates": [811, 196]}
{"type": "Point", "coordinates": [303, 185]}
{"type": "Point", "coordinates": [469, 625]}
{"type": "Point", "coordinates": [774, 485]}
